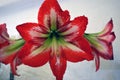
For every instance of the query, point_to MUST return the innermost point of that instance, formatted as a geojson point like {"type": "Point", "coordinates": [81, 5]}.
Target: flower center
{"type": "Point", "coordinates": [54, 38]}
{"type": "Point", "coordinates": [54, 33]}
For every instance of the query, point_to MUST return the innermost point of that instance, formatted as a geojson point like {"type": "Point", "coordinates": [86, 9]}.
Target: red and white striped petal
{"type": "Point", "coordinates": [38, 60]}
{"type": "Point", "coordinates": [58, 66]}
{"type": "Point", "coordinates": [74, 55]}
{"type": "Point", "coordinates": [109, 54]}
{"type": "Point", "coordinates": [104, 49]}
{"type": "Point", "coordinates": [78, 50]}
{"type": "Point", "coordinates": [108, 37]}
{"type": "Point", "coordinates": [81, 22]}
{"type": "Point", "coordinates": [50, 13]}
{"type": "Point", "coordinates": [108, 28]}
{"type": "Point", "coordinates": [30, 31]}
{"type": "Point", "coordinates": [74, 28]}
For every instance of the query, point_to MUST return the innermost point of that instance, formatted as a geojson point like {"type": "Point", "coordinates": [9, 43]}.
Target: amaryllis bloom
{"type": "Point", "coordinates": [55, 39]}
{"type": "Point", "coordinates": [101, 43]}
{"type": "Point", "coordinates": [8, 47]}
{"type": "Point", "coordinates": [4, 42]}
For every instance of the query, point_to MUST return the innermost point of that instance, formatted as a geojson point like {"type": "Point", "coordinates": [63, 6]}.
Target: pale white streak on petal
{"type": "Point", "coordinates": [60, 21]}
{"type": "Point", "coordinates": [109, 38]}
{"type": "Point", "coordinates": [37, 32]}
{"type": "Point", "coordinates": [64, 28]}
{"type": "Point", "coordinates": [73, 29]}
{"type": "Point", "coordinates": [73, 47]}
{"type": "Point", "coordinates": [36, 51]}
{"type": "Point", "coordinates": [59, 52]}
{"type": "Point", "coordinates": [34, 34]}
{"type": "Point", "coordinates": [54, 47]}
{"type": "Point", "coordinates": [70, 37]}
{"type": "Point", "coordinates": [38, 29]}
{"type": "Point", "coordinates": [47, 21]}
{"type": "Point", "coordinates": [58, 61]}
{"type": "Point", "coordinates": [53, 17]}
{"type": "Point", "coordinates": [102, 47]}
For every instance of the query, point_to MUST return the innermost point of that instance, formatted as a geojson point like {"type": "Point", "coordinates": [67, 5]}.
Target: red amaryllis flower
{"type": "Point", "coordinates": [55, 39]}
{"type": "Point", "coordinates": [9, 48]}
{"type": "Point", "coordinates": [4, 42]}
{"type": "Point", "coordinates": [101, 43]}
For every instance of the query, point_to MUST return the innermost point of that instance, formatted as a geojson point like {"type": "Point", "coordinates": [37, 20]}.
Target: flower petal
{"type": "Point", "coordinates": [6, 59]}
{"type": "Point", "coordinates": [51, 13]}
{"type": "Point", "coordinates": [30, 31]}
{"type": "Point", "coordinates": [106, 51]}
{"type": "Point", "coordinates": [81, 22]}
{"type": "Point", "coordinates": [102, 41]}
{"type": "Point", "coordinates": [97, 62]}
{"type": "Point", "coordinates": [78, 50]}
{"type": "Point", "coordinates": [74, 28]}
{"type": "Point", "coordinates": [15, 62]}
{"type": "Point", "coordinates": [38, 60]}
{"type": "Point", "coordinates": [82, 43]}
{"type": "Point", "coordinates": [4, 37]}
{"type": "Point", "coordinates": [97, 59]}
{"type": "Point", "coordinates": [58, 66]}
{"type": "Point", "coordinates": [108, 28]}
{"type": "Point", "coordinates": [108, 37]}
{"type": "Point", "coordinates": [103, 48]}
{"type": "Point", "coordinates": [72, 55]}
{"type": "Point", "coordinates": [3, 31]}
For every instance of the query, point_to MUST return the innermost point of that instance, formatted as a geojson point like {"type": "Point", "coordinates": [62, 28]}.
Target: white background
{"type": "Point", "coordinates": [99, 12]}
